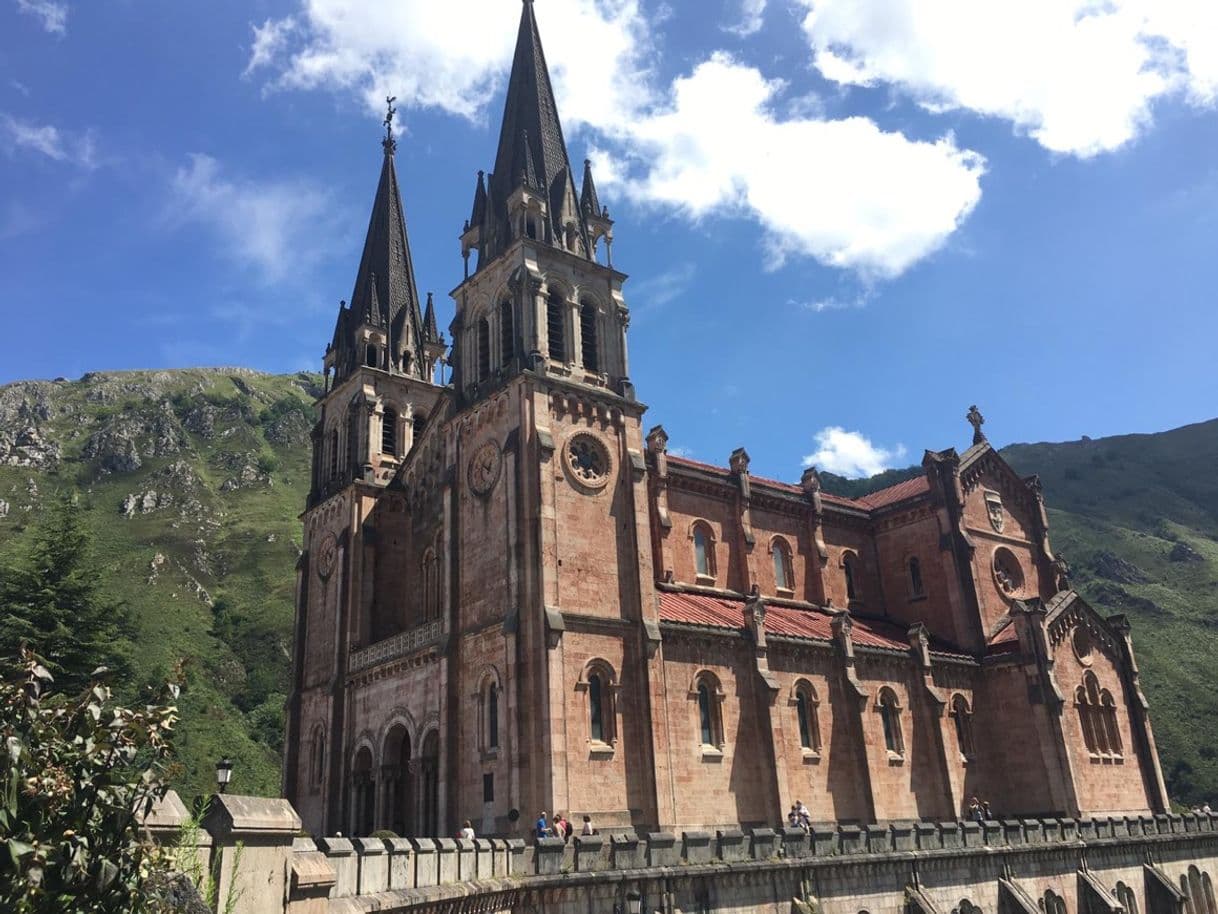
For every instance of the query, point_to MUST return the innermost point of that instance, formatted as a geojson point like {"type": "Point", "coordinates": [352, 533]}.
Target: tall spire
{"type": "Point", "coordinates": [589, 203]}
{"type": "Point", "coordinates": [531, 150]}
{"type": "Point", "coordinates": [385, 290]}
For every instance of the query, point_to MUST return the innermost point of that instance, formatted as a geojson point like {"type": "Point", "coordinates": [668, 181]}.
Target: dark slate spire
{"type": "Point", "coordinates": [531, 146]}
{"type": "Point", "coordinates": [479, 213]}
{"type": "Point", "coordinates": [431, 333]}
{"type": "Point", "coordinates": [589, 204]}
{"type": "Point", "coordinates": [385, 282]}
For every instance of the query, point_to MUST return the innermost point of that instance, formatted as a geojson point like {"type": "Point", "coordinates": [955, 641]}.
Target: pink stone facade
{"type": "Point", "coordinates": [512, 598]}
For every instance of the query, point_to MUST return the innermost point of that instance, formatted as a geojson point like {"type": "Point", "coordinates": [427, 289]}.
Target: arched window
{"type": "Point", "coordinates": [488, 711]}
{"type": "Point", "coordinates": [1196, 892]}
{"type": "Point", "coordinates": [890, 718]}
{"type": "Point", "coordinates": [599, 683]}
{"type": "Point", "coordinates": [1112, 730]}
{"type": "Point", "coordinates": [806, 717]}
{"type": "Point", "coordinates": [420, 420]}
{"type": "Point", "coordinates": [317, 757]}
{"type": "Point", "coordinates": [1189, 907]}
{"type": "Point", "coordinates": [372, 356]}
{"type": "Point", "coordinates": [704, 550]}
{"type": "Point", "coordinates": [389, 432]}
{"type": "Point", "coordinates": [588, 337]}
{"type": "Point", "coordinates": [1053, 903]}
{"type": "Point", "coordinates": [1097, 717]}
{"type": "Point", "coordinates": [334, 454]}
{"type": "Point", "coordinates": [1128, 900]}
{"type": "Point", "coordinates": [1207, 886]}
{"type": "Point", "coordinates": [595, 710]}
{"type": "Point", "coordinates": [784, 577]}
{"type": "Point", "coordinates": [484, 349]}
{"type": "Point", "coordinates": [507, 333]}
{"type": "Point", "coordinates": [710, 721]}
{"type": "Point", "coordinates": [962, 716]}
{"type": "Point", "coordinates": [492, 716]}
{"type": "Point", "coordinates": [431, 585]}
{"type": "Point", "coordinates": [916, 587]}
{"type": "Point", "coordinates": [556, 327]}
{"type": "Point", "coordinates": [530, 227]}
{"type": "Point", "coordinates": [850, 570]}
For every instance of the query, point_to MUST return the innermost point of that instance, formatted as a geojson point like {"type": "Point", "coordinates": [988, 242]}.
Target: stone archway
{"type": "Point", "coordinates": [397, 782]}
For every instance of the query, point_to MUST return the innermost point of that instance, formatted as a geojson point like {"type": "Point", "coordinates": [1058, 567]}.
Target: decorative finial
{"type": "Point", "coordinates": [390, 144]}
{"type": "Point", "coordinates": [976, 420]}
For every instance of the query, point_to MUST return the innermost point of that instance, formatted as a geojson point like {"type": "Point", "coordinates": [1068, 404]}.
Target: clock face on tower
{"type": "Point", "coordinates": [484, 468]}
{"type": "Point", "coordinates": [327, 555]}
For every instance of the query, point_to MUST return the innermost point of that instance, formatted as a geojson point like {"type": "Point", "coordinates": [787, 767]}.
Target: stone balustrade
{"type": "Point", "coordinates": [335, 875]}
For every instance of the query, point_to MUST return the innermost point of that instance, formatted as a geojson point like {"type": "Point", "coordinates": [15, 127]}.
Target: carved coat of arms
{"type": "Point", "coordinates": [993, 507]}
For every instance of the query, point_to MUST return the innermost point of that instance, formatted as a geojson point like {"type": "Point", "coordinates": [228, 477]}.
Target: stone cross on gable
{"type": "Point", "coordinates": [976, 420]}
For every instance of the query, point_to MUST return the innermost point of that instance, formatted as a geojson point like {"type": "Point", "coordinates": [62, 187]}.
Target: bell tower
{"type": "Point", "coordinates": [539, 291]}
{"type": "Point", "coordinates": [381, 363]}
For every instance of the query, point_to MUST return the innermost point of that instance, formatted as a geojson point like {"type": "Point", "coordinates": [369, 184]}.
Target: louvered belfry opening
{"type": "Point", "coordinates": [507, 333]}
{"type": "Point", "coordinates": [588, 339]}
{"type": "Point", "coordinates": [556, 327]}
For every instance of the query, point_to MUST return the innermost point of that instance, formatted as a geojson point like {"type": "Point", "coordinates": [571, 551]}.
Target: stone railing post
{"type": "Point", "coordinates": [340, 854]}
{"type": "Point", "coordinates": [373, 865]}
{"type": "Point", "coordinates": [446, 868]}
{"type": "Point", "coordinates": [548, 856]}
{"type": "Point", "coordinates": [310, 879]}
{"type": "Point", "coordinates": [697, 846]}
{"type": "Point", "coordinates": [427, 867]}
{"type": "Point", "coordinates": [765, 843]}
{"type": "Point", "coordinates": [626, 851]}
{"type": "Point", "coordinates": [662, 849]}
{"type": "Point", "coordinates": [732, 846]}
{"type": "Point", "coordinates": [401, 864]}
{"type": "Point", "coordinates": [252, 839]}
{"type": "Point", "coordinates": [590, 853]}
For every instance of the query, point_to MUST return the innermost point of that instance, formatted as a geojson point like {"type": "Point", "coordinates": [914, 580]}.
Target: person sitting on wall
{"type": "Point", "coordinates": [805, 815]}
{"type": "Point", "coordinates": [543, 827]}
{"type": "Point", "coordinates": [975, 812]}
{"type": "Point", "coordinates": [562, 828]}
{"type": "Point", "coordinates": [588, 829]}
{"type": "Point", "coordinates": [467, 831]}
{"type": "Point", "coordinates": [985, 808]}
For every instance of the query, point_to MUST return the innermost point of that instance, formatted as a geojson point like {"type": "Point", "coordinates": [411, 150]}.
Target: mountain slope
{"type": "Point", "coordinates": [192, 482]}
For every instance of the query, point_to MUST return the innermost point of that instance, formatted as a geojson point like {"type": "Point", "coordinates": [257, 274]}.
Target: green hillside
{"type": "Point", "coordinates": [192, 482]}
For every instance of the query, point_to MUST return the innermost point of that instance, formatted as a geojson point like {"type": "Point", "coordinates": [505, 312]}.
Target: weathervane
{"type": "Point", "coordinates": [389, 142]}
{"type": "Point", "coordinates": [976, 420]}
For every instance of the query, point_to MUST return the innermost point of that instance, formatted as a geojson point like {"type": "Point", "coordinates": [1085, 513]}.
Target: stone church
{"type": "Point", "coordinates": [512, 598]}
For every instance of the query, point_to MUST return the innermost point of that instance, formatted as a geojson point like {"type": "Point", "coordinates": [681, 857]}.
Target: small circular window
{"type": "Point", "coordinates": [1008, 573]}
{"type": "Point", "coordinates": [1083, 644]}
{"type": "Point", "coordinates": [588, 460]}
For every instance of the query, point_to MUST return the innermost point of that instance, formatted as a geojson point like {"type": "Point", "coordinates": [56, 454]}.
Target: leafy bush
{"type": "Point", "coordinates": [78, 776]}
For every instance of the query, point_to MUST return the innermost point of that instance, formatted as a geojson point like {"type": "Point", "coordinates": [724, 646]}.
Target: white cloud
{"type": "Point", "coordinates": [1080, 76]}
{"type": "Point", "coordinates": [842, 191]}
{"type": "Point", "coordinates": [53, 13]}
{"type": "Point", "coordinates": [49, 141]}
{"type": "Point", "coordinates": [850, 454]}
{"type": "Point", "coordinates": [270, 40]}
{"type": "Point", "coordinates": [648, 292]}
{"type": "Point", "coordinates": [263, 225]}
{"type": "Point", "coordinates": [752, 16]}
{"type": "Point", "coordinates": [452, 56]}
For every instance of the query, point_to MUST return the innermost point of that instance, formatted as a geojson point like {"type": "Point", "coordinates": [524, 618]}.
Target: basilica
{"type": "Point", "coordinates": [512, 598]}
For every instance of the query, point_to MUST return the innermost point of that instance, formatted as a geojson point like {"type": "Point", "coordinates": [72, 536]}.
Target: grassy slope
{"type": "Point", "coordinates": [241, 546]}
{"type": "Point", "coordinates": [1135, 496]}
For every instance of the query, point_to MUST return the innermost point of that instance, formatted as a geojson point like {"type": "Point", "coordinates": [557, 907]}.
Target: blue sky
{"type": "Point", "coordinates": [843, 223]}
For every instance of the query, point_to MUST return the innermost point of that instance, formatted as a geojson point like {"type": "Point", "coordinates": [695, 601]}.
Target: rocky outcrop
{"type": "Point", "coordinates": [248, 470]}
{"type": "Point", "coordinates": [4, 508]}
{"type": "Point", "coordinates": [175, 484]}
{"type": "Point", "coordinates": [1111, 566]}
{"type": "Point", "coordinates": [28, 448]}
{"type": "Point", "coordinates": [123, 441]}
{"type": "Point", "coordinates": [1183, 552]}
{"type": "Point", "coordinates": [1115, 597]}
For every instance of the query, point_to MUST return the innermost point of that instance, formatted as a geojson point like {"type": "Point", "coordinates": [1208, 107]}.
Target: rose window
{"type": "Point", "coordinates": [588, 460]}
{"type": "Point", "coordinates": [1007, 572]}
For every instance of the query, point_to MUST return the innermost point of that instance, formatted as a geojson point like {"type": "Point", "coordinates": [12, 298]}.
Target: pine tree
{"type": "Point", "coordinates": [51, 600]}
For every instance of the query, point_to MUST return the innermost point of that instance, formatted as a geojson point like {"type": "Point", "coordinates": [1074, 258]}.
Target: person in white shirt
{"type": "Point", "coordinates": [467, 831]}
{"type": "Point", "coordinates": [587, 829]}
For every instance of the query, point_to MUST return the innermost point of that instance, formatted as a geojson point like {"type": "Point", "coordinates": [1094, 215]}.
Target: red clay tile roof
{"type": "Point", "coordinates": [1005, 641]}
{"type": "Point", "coordinates": [910, 488]}
{"type": "Point", "coordinates": [717, 612]}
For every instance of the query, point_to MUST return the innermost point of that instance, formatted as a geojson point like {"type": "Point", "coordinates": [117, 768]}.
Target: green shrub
{"type": "Point", "coordinates": [78, 774]}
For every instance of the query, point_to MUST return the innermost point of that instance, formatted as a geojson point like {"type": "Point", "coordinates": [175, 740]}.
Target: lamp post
{"type": "Point", "coordinates": [224, 773]}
